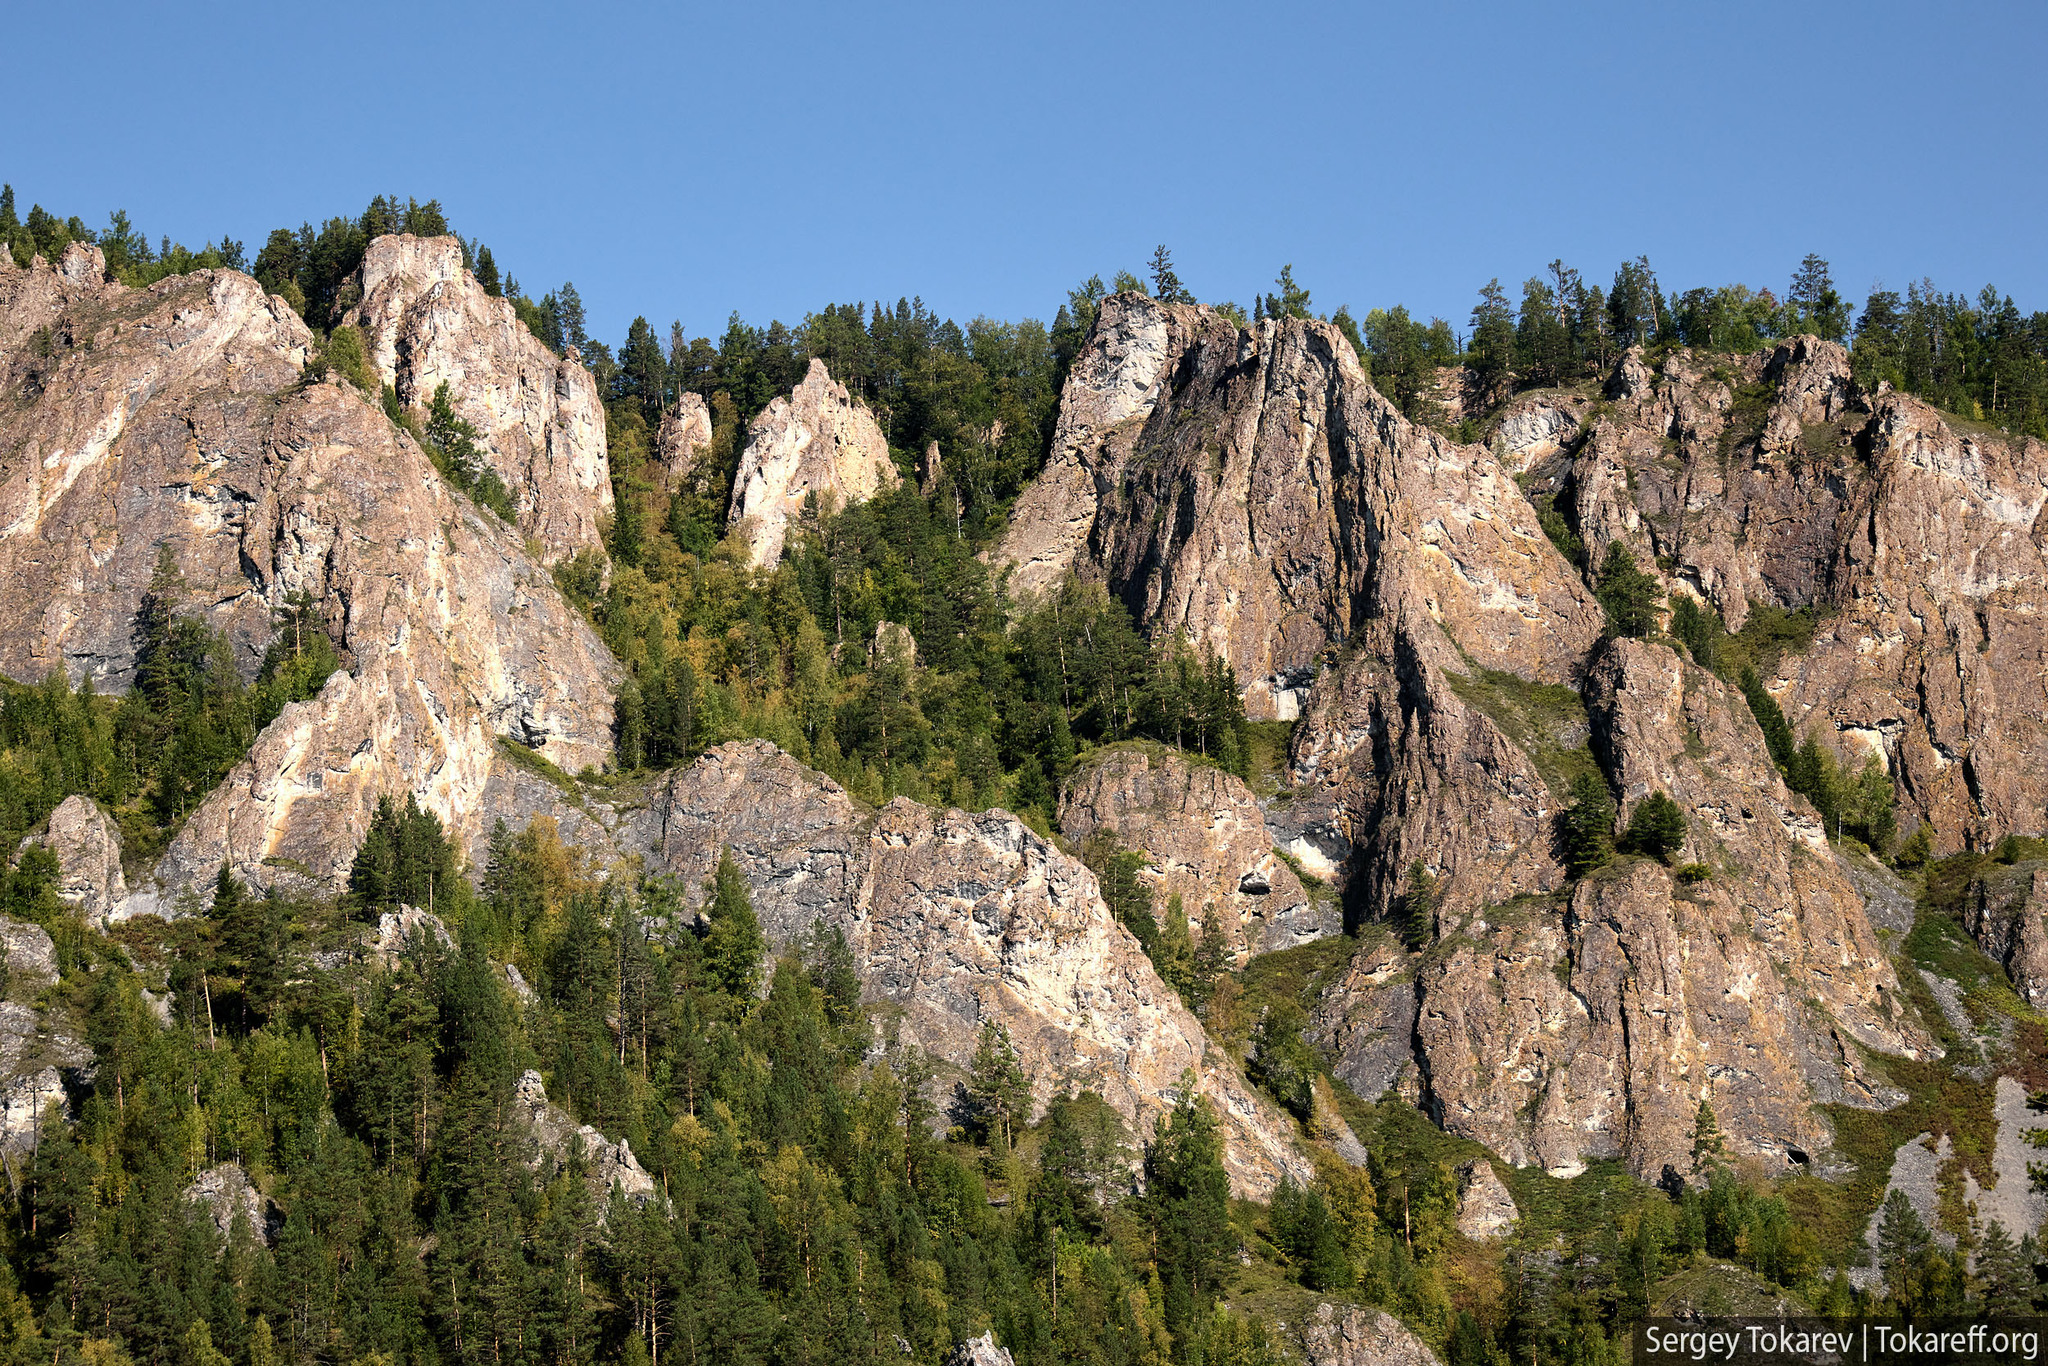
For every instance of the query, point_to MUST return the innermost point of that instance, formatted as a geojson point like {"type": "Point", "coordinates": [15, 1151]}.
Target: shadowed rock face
{"type": "Point", "coordinates": [1921, 542]}
{"type": "Point", "coordinates": [175, 416]}
{"type": "Point", "coordinates": [955, 918]}
{"type": "Point", "coordinates": [428, 322]}
{"type": "Point", "coordinates": [685, 432]}
{"type": "Point", "coordinates": [817, 440]}
{"type": "Point", "coordinates": [1207, 842]}
{"type": "Point", "coordinates": [1252, 490]}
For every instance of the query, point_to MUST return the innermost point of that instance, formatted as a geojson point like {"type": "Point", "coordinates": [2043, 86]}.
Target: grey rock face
{"type": "Point", "coordinates": [955, 918]}
{"type": "Point", "coordinates": [2006, 911]}
{"type": "Point", "coordinates": [88, 850]}
{"type": "Point", "coordinates": [685, 432]}
{"type": "Point", "coordinates": [31, 956]}
{"type": "Point", "coordinates": [556, 1132]}
{"type": "Point", "coordinates": [179, 408]}
{"type": "Point", "coordinates": [1486, 1210]}
{"type": "Point", "coordinates": [981, 1351]}
{"type": "Point", "coordinates": [428, 322]}
{"type": "Point", "coordinates": [1357, 1335]}
{"type": "Point", "coordinates": [227, 1194]}
{"type": "Point", "coordinates": [817, 440]}
{"type": "Point", "coordinates": [35, 1065]}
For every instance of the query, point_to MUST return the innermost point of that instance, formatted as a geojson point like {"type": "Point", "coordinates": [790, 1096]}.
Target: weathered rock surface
{"type": "Point", "coordinates": [31, 955]}
{"type": "Point", "coordinates": [556, 1132]}
{"type": "Point", "coordinates": [1357, 1335]}
{"type": "Point", "coordinates": [175, 416]}
{"type": "Point", "coordinates": [955, 918]}
{"type": "Point", "coordinates": [981, 1351]}
{"type": "Point", "coordinates": [1252, 490]}
{"type": "Point", "coordinates": [88, 850]}
{"type": "Point", "coordinates": [1486, 1210]}
{"type": "Point", "coordinates": [817, 440]}
{"type": "Point", "coordinates": [2006, 911]}
{"type": "Point", "coordinates": [227, 1194]}
{"type": "Point", "coordinates": [428, 322]}
{"type": "Point", "coordinates": [1207, 841]}
{"type": "Point", "coordinates": [1597, 1033]}
{"type": "Point", "coordinates": [1774, 479]}
{"type": "Point", "coordinates": [685, 432]}
{"type": "Point", "coordinates": [35, 1064]}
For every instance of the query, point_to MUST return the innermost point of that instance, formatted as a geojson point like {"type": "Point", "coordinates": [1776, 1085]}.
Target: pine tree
{"type": "Point", "coordinates": [998, 1093]}
{"type": "Point", "coordinates": [1212, 958]}
{"type": "Point", "coordinates": [2005, 1280]}
{"type": "Point", "coordinates": [1656, 827]}
{"type": "Point", "coordinates": [1586, 829]}
{"type": "Point", "coordinates": [1417, 907]}
{"type": "Point", "coordinates": [1166, 286]}
{"type": "Point", "coordinates": [1903, 1244]}
{"type": "Point", "coordinates": [733, 943]}
{"type": "Point", "coordinates": [1632, 597]}
{"type": "Point", "coordinates": [1493, 334]}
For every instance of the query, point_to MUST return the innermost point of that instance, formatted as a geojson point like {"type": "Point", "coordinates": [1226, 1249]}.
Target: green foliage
{"type": "Point", "coordinates": [1982, 358]}
{"type": "Point", "coordinates": [733, 943]}
{"type": "Point", "coordinates": [451, 443]}
{"type": "Point", "coordinates": [1417, 907]}
{"type": "Point", "coordinates": [1656, 827]}
{"type": "Point", "coordinates": [405, 859]}
{"type": "Point", "coordinates": [1632, 597]}
{"type": "Point", "coordinates": [1282, 1061]}
{"type": "Point", "coordinates": [1586, 827]}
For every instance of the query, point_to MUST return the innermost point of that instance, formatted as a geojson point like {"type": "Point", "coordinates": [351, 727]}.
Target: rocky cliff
{"type": "Point", "coordinates": [1207, 843]}
{"type": "Point", "coordinates": [1775, 480]}
{"type": "Point", "coordinates": [177, 416]}
{"type": "Point", "coordinates": [817, 440]}
{"type": "Point", "coordinates": [428, 322]}
{"type": "Point", "coordinates": [685, 431]}
{"type": "Point", "coordinates": [955, 918]}
{"type": "Point", "coordinates": [1251, 489]}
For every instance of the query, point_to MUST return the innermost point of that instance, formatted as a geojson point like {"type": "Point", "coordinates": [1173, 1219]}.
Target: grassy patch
{"type": "Point", "coordinates": [1269, 740]}
{"type": "Point", "coordinates": [1546, 721]}
{"type": "Point", "coordinates": [538, 764]}
{"type": "Point", "coordinates": [1721, 1289]}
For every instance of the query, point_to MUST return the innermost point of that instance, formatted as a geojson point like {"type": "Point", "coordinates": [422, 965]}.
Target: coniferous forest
{"type": "Point", "coordinates": [814, 1192]}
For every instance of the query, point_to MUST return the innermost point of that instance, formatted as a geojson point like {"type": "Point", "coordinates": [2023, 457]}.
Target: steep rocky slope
{"type": "Point", "coordinates": [1206, 840]}
{"type": "Point", "coordinates": [1776, 480]}
{"type": "Point", "coordinates": [1252, 490]}
{"type": "Point", "coordinates": [176, 416]}
{"type": "Point", "coordinates": [428, 322]}
{"type": "Point", "coordinates": [817, 440]}
{"type": "Point", "coordinates": [955, 918]}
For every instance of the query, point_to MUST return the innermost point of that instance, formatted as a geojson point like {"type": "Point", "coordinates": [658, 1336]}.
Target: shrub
{"type": "Point", "coordinates": [1656, 827]}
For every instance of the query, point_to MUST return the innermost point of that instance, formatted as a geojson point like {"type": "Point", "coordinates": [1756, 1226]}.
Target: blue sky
{"type": "Point", "coordinates": [685, 161]}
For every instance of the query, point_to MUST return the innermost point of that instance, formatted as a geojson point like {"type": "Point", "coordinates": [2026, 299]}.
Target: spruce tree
{"type": "Point", "coordinates": [1166, 286]}
{"type": "Point", "coordinates": [1586, 828]}
{"type": "Point", "coordinates": [1656, 827]}
{"type": "Point", "coordinates": [733, 943]}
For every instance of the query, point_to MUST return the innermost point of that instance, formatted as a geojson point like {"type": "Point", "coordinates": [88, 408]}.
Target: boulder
{"type": "Point", "coordinates": [815, 441]}
{"type": "Point", "coordinates": [981, 1351]}
{"type": "Point", "coordinates": [1357, 1335]}
{"type": "Point", "coordinates": [556, 1133]}
{"type": "Point", "coordinates": [1486, 1210]}
{"type": "Point", "coordinates": [225, 1192]}
{"type": "Point", "coordinates": [88, 849]}
{"type": "Point", "coordinates": [540, 421]}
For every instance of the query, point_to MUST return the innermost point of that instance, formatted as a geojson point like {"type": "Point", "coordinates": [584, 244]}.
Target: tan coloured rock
{"type": "Point", "coordinates": [1251, 490]}
{"type": "Point", "coordinates": [1207, 842]}
{"type": "Point", "coordinates": [428, 322]}
{"type": "Point", "coordinates": [685, 432]}
{"type": "Point", "coordinates": [184, 424]}
{"type": "Point", "coordinates": [955, 918]}
{"type": "Point", "coordinates": [88, 850]}
{"type": "Point", "coordinates": [1560, 1039]}
{"type": "Point", "coordinates": [1917, 540]}
{"type": "Point", "coordinates": [817, 440]}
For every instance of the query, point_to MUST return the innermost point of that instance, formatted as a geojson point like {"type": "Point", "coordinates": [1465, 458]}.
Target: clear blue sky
{"type": "Point", "coordinates": [685, 161]}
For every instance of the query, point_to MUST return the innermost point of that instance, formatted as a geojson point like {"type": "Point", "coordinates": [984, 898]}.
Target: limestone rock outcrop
{"type": "Point", "coordinates": [685, 432]}
{"type": "Point", "coordinates": [817, 440]}
{"type": "Point", "coordinates": [1207, 842]}
{"type": "Point", "coordinates": [1775, 480]}
{"type": "Point", "coordinates": [1486, 1210]}
{"type": "Point", "coordinates": [2006, 912]}
{"type": "Point", "coordinates": [175, 416]}
{"type": "Point", "coordinates": [38, 1068]}
{"type": "Point", "coordinates": [1358, 1335]}
{"type": "Point", "coordinates": [1557, 1038]}
{"type": "Point", "coordinates": [88, 850]}
{"type": "Point", "coordinates": [555, 1133]}
{"type": "Point", "coordinates": [981, 1351]}
{"type": "Point", "coordinates": [955, 918]}
{"type": "Point", "coordinates": [31, 961]}
{"type": "Point", "coordinates": [1252, 490]}
{"type": "Point", "coordinates": [428, 322]}
{"type": "Point", "coordinates": [225, 1192]}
